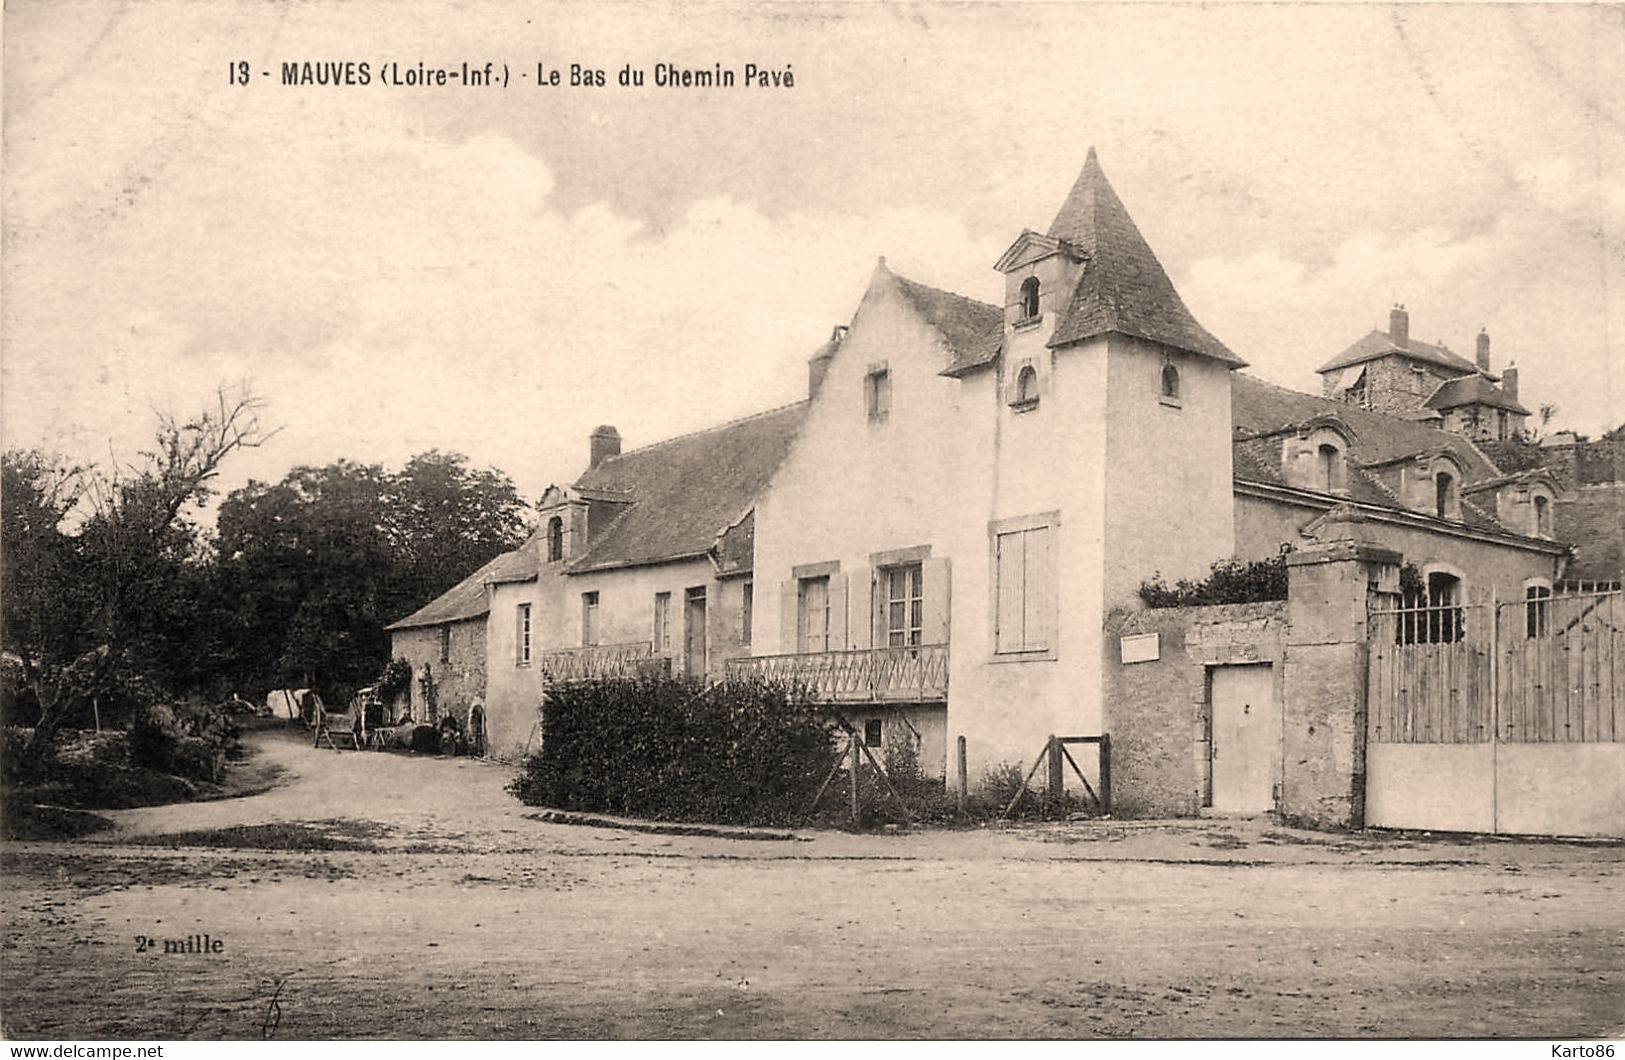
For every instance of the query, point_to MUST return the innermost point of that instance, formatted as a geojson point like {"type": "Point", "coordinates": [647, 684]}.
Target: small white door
{"type": "Point", "coordinates": [1246, 738]}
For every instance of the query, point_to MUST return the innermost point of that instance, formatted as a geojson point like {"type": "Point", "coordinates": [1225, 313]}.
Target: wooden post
{"type": "Point", "coordinates": [1057, 782]}
{"type": "Point", "coordinates": [1106, 772]}
{"type": "Point", "coordinates": [964, 780]}
{"type": "Point", "coordinates": [852, 747]}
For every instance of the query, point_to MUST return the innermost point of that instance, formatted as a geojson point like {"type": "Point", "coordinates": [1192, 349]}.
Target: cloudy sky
{"type": "Point", "coordinates": [496, 271]}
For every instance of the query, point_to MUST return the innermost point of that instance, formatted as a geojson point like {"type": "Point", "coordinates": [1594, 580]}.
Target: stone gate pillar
{"type": "Point", "coordinates": [1323, 709]}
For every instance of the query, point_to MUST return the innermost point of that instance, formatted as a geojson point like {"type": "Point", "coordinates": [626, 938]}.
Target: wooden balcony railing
{"type": "Point", "coordinates": [908, 675]}
{"type": "Point", "coordinates": [601, 662]}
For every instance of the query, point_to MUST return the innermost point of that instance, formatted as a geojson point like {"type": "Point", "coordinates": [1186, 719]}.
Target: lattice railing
{"type": "Point", "coordinates": [911, 675]}
{"type": "Point", "coordinates": [601, 662]}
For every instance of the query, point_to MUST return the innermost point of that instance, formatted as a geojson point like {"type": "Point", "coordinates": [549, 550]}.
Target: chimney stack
{"type": "Point", "coordinates": [818, 364]}
{"type": "Point", "coordinates": [1399, 326]}
{"type": "Point", "coordinates": [605, 442]}
{"type": "Point", "coordinates": [1509, 382]}
{"type": "Point", "coordinates": [1483, 351]}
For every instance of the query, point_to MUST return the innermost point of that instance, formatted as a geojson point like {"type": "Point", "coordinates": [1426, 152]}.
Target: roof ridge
{"type": "Point", "coordinates": [942, 290]}
{"type": "Point", "coordinates": [696, 433]}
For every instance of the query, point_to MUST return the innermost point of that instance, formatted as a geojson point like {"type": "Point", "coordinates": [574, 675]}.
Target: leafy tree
{"type": "Point", "coordinates": [317, 564]}
{"type": "Point", "coordinates": [101, 611]}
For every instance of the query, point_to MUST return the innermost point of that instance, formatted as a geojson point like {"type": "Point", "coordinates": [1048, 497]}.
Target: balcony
{"type": "Point", "coordinates": [900, 675]}
{"type": "Point", "coordinates": [602, 662]}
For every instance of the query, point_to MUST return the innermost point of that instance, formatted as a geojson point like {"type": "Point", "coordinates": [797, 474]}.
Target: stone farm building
{"type": "Point", "coordinates": [948, 536]}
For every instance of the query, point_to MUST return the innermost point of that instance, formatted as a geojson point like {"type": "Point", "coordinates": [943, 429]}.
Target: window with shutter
{"type": "Point", "coordinates": [1023, 571]}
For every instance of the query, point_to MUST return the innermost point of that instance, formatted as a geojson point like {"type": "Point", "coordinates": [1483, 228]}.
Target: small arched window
{"type": "Point", "coordinates": [1329, 468]}
{"type": "Point", "coordinates": [555, 539]}
{"type": "Point", "coordinates": [1029, 298]}
{"type": "Point", "coordinates": [1444, 495]}
{"type": "Point", "coordinates": [1543, 515]}
{"type": "Point", "coordinates": [1170, 382]}
{"type": "Point", "coordinates": [1026, 387]}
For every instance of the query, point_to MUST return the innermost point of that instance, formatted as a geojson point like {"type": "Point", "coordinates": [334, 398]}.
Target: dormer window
{"type": "Point", "coordinates": [1170, 385]}
{"type": "Point", "coordinates": [1026, 394]}
{"type": "Point", "coordinates": [555, 539]}
{"type": "Point", "coordinates": [1029, 299]}
{"type": "Point", "coordinates": [1329, 468]}
{"type": "Point", "coordinates": [1446, 501]}
{"type": "Point", "coordinates": [1543, 515]}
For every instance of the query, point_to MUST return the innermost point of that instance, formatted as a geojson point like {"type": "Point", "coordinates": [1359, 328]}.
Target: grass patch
{"type": "Point", "coordinates": [28, 821]}
{"type": "Point", "coordinates": [299, 835]}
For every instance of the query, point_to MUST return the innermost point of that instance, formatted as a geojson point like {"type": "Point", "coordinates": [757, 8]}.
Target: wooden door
{"type": "Point", "coordinates": [1246, 738]}
{"type": "Point", "coordinates": [694, 633]}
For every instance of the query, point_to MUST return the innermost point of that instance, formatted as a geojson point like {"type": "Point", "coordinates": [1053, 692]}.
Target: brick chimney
{"type": "Point", "coordinates": [1509, 382]}
{"type": "Point", "coordinates": [1399, 326]}
{"type": "Point", "coordinates": [605, 442]}
{"type": "Point", "coordinates": [1483, 351]}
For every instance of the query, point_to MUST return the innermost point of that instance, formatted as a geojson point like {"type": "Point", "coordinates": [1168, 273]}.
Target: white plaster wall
{"type": "Point", "coordinates": [1561, 789]}
{"type": "Point", "coordinates": [1441, 787]}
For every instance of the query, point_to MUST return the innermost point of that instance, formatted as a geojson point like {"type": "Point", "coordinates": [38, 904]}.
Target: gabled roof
{"type": "Point", "coordinates": [686, 491]}
{"type": "Point", "coordinates": [467, 599]}
{"type": "Point", "coordinates": [1472, 390]}
{"type": "Point", "coordinates": [1258, 408]}
{"type": "Point", "coordinates": [1123, 287]}
{"type": "Point", "coordinates": [1262, 412]}
{"type": "Point", "coordinates": [973, 331]}
{"type": "Point", "coordinates": [1379, 344]}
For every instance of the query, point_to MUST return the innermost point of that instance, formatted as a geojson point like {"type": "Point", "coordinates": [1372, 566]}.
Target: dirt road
{"type": "Point", "coordinates": [442, 910]}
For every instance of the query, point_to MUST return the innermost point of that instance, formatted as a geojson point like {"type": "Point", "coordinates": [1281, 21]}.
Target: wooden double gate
{"type": "Point", "coordinates": [1498, 717]}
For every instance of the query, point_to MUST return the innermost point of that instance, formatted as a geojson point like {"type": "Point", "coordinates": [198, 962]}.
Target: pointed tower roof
{"type": "Point", "coordinates": [1123, 287]}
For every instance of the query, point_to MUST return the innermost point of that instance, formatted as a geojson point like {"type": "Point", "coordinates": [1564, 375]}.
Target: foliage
{"type": "Point", "coordinates": [316, 565]}
{"type": "Point", "coordinates": [666, 748]}
{"type": "Point", "coordinates": [1230, 582]}
{"type": "Point", "coordinates": [394, 679]}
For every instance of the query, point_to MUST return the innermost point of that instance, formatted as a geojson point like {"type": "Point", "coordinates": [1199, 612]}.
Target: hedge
{"type": "Point", "coordinates": [738, 753]}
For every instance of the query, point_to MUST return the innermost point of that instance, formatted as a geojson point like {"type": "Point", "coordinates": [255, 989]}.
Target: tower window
{"type": "Point", "coordinates": [1029, 298]}
{"type": "Point", "coordinates": [1170, 384]}
{"type": "Point", "coordinates": [555, 539]}
{"type": "Point", "coordinates": [1026, 388]}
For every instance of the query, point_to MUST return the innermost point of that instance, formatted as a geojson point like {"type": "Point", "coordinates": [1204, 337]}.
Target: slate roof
{"type": "Point", "coordinates": [1378, 344]}
{"type": "Point", "coordinates": [687, 491]}
{"type": "Point", "coordinates": [1593, 517]}
{"type": "Point", "coordinates": [1262, 412]}
{"type": "Point", "coordinates": [1472, 390]}
{"type": "Point", "coordinates": [467, 599]}
{"type": "Point", "coordinates": [972, 330]}
{"type": "Point", "coordinates": [1123, 287]}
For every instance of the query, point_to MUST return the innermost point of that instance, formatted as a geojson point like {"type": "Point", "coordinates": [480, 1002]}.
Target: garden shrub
{"type": "Point", "coordinates": [1229, 581]}
{"type": "Point", "coordinates": [739, 752]}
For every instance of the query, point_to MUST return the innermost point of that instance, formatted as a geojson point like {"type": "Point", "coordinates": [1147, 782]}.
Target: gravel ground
{"type": "Point", "coordinates": [424, 902]}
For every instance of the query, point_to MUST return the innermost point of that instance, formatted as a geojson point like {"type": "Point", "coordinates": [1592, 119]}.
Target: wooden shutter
{"type": "Point", "coordinates": [789, 604]}
{"type": "Point", "coordinates": [1039, 578]}
{"type": "Point", "coordinates": [1008, 566]}
{"type": "Point", "coordinates": [837, 613]}
{"type": "Point", "coordinates": [936, 575]}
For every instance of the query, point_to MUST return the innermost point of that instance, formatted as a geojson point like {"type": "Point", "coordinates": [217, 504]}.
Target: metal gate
{"type": "Point", "coordinates": [1498, 717]}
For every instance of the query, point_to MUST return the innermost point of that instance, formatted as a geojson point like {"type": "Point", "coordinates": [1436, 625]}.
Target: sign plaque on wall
{"type": "Point", "coordinates": [1141, 647]}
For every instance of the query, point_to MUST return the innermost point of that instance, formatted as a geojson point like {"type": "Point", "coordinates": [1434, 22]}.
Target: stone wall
{"type": "Point", "coordinates": [1156, 711]}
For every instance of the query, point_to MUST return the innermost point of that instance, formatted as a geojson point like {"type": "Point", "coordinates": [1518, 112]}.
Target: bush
{"type": "Point", "coordinates": [746, 752]}
{"type": "Point", "coordinates": [1229, 582]}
